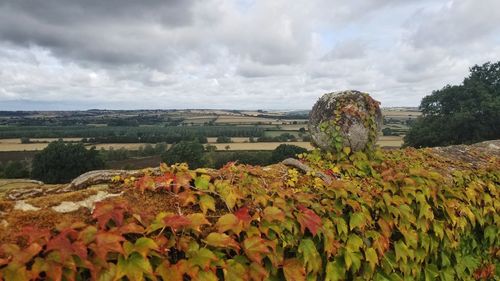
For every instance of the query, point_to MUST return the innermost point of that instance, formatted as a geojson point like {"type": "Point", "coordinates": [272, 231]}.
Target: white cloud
{"type": "Point", "coordinates": [240, 54]}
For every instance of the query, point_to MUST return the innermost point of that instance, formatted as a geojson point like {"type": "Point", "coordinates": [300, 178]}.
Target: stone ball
{"type": "Point", "coordinates": [345, 119]}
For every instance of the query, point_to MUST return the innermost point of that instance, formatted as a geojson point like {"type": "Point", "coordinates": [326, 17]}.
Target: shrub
{"type": "Point", "coordinates": [60, 162]}
{"type": "Point", "coordinates": [284, 151]}
{"type": "Point", "coordinates": [185, 152]}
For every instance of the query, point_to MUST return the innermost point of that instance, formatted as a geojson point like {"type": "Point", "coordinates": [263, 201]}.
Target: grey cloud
{"type": "Point", "coordinates": [347, 49]}
{"type": "Point", "coordinates": [457, 22]}
{"type": "Point", "coordinates": [107, 32]}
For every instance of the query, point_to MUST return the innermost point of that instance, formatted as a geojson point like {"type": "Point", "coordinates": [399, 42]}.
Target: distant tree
{"type": "Point", "coordinates": [223, 139]}
{"type": "Point", "coordinates": [284, 151]}
{"type": "Point", "coordinates": [465, 113]}
{"type": "Point", "coordinates": [16, 170]}
{"type": "Point", "coordinates": [25, 140]}
{"type": "Point", "coordinates": [185, 151]}
{"type": "Point", "coordinates": [60, 162]}
{"type": "Point", "coordinates": [227, 147]}
{"type": "Point", "coordinates": [387, 131]}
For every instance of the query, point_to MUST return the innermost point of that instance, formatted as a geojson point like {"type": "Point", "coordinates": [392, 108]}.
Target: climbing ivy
{"type": "Point", "coordinates": [398, 215]}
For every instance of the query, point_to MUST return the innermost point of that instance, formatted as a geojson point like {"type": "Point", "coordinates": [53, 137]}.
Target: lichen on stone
{"type": "Point", "coordinates": [346, 119]}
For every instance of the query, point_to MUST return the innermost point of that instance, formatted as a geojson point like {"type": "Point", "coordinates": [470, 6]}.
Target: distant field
{"type": "Point", "coordinates": [259, 145]}
{"type": "Point", "coordinates": [245, 120]}
{"type": "Point", "coordinates": [401, 113]}
{"type": "Point", "coordinates": [390, 141]}
{"type": "Point", "coordinates": [128, 146]}
{"type": "Point", "coordinates": [279, 132]}
{"type": "Point", "coordinates": [18, 140]}
{"type": "Point", "coordinates": [234, 139]}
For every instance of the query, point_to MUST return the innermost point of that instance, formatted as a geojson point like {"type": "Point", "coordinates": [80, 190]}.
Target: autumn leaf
{"type": "Point", "coordinates": [221, 240]}
{"type": "Point", "coordinates": [107, 242]}
{"type": "Point", "coordinates": [255, 247]}
{"type": "Point", "coordinates": [272, 213]}
{"type": "Point", "coordinates": [243, 215]}
{"type": "Point", "coordinates": [196, 221]}
{"type": "Point", "coordinates": [207, 202]}
{"type": "Point", "coordinates": [106, 211]}
{"type": "Point", "coordinates": [294, 270]}
{"type": "Point", "coordinates": [176, 222]}
{"type": "Point", "coordinates": [229, 222]}
{"type": "Point", "coordinates": [174, 272]}
{"type": "Point", "coordinates": [235, 271]}
{"type": "Point", "coordinates": [308, 219]}
{"type": "Point", "coordinates": [144, 245]}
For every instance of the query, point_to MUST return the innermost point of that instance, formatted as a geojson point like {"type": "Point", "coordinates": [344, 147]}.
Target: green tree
{"type": "Point", "coordinates": [465, 113]}
{"type": "Point", "coordinates": [185, 151]}
{"type": "Point", "coordinates": [223, 139]}
{"type": "Point", "coordinates": [60, 162]}
{"type": "Point", "coordinates": [16, 170]}
{"type": "Point", "coordinates": [284, 151]}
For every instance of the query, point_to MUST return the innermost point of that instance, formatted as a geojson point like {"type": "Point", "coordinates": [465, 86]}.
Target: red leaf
{"type": "Point", "coordinates": [64, 245]}
{"type": "Point", "coordinates": [308, 219]}
{"type": "Point", "coordinates": [243, 215]}
{"type": "Point", "coordinates": [176, 222]}
{"type": "Point", "coordinates": [34, 234]}
{"type": "Point", "coordinates": [106, 211]}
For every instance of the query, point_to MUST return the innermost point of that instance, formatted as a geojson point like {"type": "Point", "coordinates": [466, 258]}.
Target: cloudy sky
{"type": "Point", "coordinates": [240, 54]}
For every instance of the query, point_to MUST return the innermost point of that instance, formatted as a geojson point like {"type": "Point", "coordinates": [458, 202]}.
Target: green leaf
{"type": "Point", "coordinates": [205, 276]}
{"type": "Point", "coordinates": [202, 258]}
{"type": "Point", "coordinates": [228, 222]}
{"type": "Point", "coordinates": [312, 259]}
{"type": "Point", "coordinates": [135, 267]}
{"type": "Point", "coordinates": [354, 243]}
{"type": "Point", "coordinates": [143, 245]}
{"type": "Point", "coordinates": [371, 257]}
{"type": "Point", "coordinates": [401, 251]}
{"type": "Point", "coordinates": [202, 182]}
{"type": "Point", "coordinates": [357, 220]}
{"type": "Point", "coordinates": [222, 240]}
{"type": "Point", "coordinates": [352, 260]}
{"type": "Point", "coordinates": [335, 271]}
{"type": "Point", "coordinates": [273, 213]}
{"type": "Point", "coordinates": [235, 271]}
{"type": "Point", "coordinates": [207, 202]}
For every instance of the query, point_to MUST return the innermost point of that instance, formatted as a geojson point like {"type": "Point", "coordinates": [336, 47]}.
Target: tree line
{"type": "Point", "coordinates": [61, 162]}
{"type": "Point", "coordinates": [460, 114]}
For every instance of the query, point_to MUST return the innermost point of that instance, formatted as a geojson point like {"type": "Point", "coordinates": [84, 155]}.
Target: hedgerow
{"type": "Point", "coordinates": [399, 215]}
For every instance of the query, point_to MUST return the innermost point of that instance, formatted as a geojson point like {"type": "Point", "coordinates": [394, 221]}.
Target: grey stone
{"type": "Point", "coordinates": [345, 119]}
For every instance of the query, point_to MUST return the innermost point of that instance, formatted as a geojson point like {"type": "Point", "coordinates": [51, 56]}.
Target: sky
{"type": "Point", "coordinates": [240, 54]}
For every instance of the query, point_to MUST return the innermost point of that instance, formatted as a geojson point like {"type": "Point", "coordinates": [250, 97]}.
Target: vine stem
{"type": "Point", "coordinates": [306, 169]}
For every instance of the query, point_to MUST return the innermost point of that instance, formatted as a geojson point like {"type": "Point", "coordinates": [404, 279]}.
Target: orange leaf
{"type": "Point", "coordinates": [105, 211]}
{"type": "Point", "coordinates": [255, 247]}
{"type": "Point", "coordinates": [176, 221]}
{"type": "Point", "coordinates": [107, 242]}
{"type": "Point", "coordinates": [294, 270]}
{"type": "Point", "coordinates": [308, 219]}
